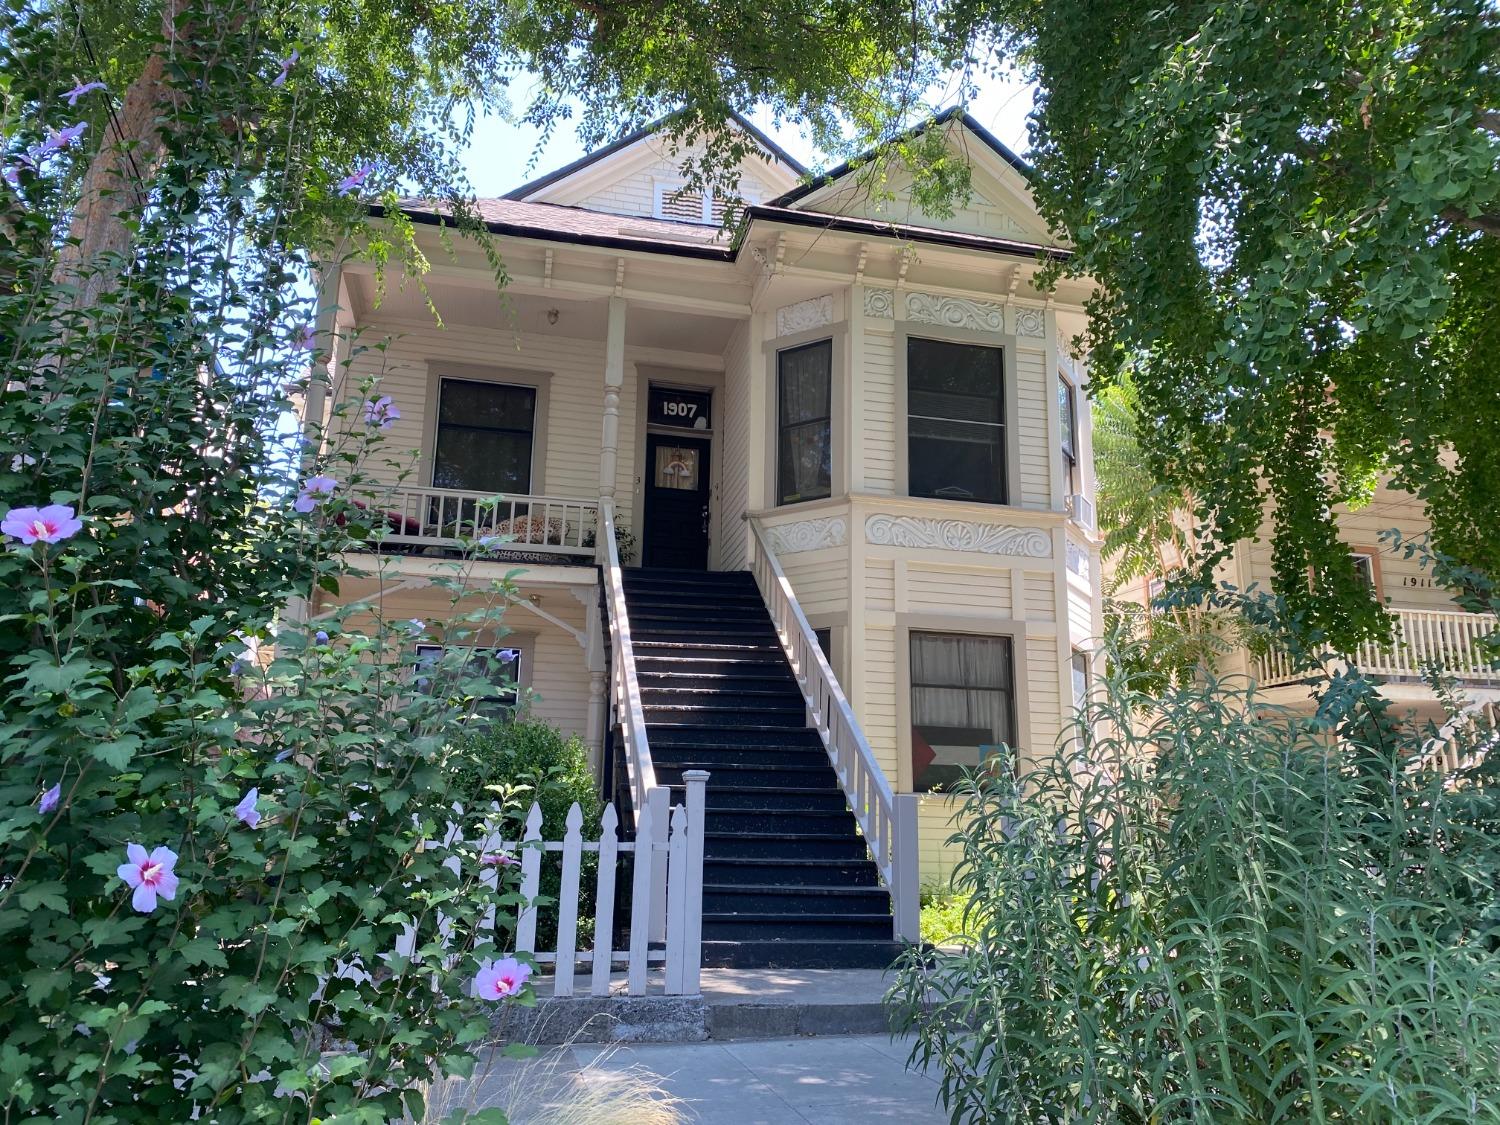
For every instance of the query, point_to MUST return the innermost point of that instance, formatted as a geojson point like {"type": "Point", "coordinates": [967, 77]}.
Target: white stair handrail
{"type": "Point", "coordinates": [625, 690]}
{"type": "Point", "coordinates": [888, 819]}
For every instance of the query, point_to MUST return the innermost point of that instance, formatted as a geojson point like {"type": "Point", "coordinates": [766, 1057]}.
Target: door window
{"type": "Point", "coordinates": [677, 467]}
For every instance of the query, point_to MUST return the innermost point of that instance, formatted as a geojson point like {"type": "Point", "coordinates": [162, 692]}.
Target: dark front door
{"type": "Point", "coordinates": [676, 532]}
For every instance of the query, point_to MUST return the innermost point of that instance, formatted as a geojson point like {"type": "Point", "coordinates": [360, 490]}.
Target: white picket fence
{"type": "Point", "coordinates": [674, 907]}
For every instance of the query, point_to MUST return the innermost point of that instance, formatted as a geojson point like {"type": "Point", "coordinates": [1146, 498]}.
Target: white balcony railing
{"type": "Point", "coordinates": [887, 819]}
{"type": "Point", "coordinates": [1449, 638]}
{"type": "Point", "coordinates": [442, 517]}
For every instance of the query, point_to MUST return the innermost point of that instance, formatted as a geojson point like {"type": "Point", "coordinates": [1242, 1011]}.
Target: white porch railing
{"type": "Point", "coordinates": [887, 819]}
{"type": "Point", "coordinates": [440, 517]}
{"type": "Point", "coordinates": [629, 716]}
{"type": "Point", "coordinates": [679, 899]}
{"type": "Point", "coordinates": [1423, 637]}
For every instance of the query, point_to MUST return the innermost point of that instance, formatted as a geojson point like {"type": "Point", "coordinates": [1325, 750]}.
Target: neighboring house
{"type": "Point", "coordinates": [1428, 624]}
{"type": "Point", "coordinates": [877, 401]}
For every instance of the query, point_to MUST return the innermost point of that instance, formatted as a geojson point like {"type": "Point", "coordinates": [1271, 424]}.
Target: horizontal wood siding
{"type": "Point", "coordinates": [931, 590]}
{"type": "Point", "coordinates": [820, 579]}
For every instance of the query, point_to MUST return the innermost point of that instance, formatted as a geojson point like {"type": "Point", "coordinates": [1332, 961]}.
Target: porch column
{"type": "Point", "coordinates": [614, 379]}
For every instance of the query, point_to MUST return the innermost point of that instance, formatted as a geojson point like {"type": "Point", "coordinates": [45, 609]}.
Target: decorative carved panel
{"type": "Point", "coordinates": [955, 312]}
{"type": "Point", "coordinates": [958, 535]}
{"type": "Point", "coordinates": [804, 315]}
{"type": "Point", "coordinates": [808, 535]}
{"type": "Point", "coordinates": [880, 303]}
{"type": "Point", "coordinates": [1031, 322]}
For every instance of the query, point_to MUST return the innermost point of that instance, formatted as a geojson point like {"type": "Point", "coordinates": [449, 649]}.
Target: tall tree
{"type": "Point", "coordinates": [1293, 214]}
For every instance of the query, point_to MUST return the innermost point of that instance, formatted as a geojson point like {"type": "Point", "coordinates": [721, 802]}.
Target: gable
{"type": "Point", "coordinates": [999, 203]}
{"type": "Point", "coordinates": [642, 176]}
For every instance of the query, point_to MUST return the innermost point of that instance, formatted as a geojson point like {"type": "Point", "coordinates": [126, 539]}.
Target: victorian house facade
{"type": "Point", "coordinates": [808, 506]}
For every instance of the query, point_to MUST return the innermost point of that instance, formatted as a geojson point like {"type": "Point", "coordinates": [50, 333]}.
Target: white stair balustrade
{"type": "Point", "coordinates": [887, 819]}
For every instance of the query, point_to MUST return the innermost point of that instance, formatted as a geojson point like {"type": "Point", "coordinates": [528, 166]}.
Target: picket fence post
{"type": "Point", "coordinates": [567, 904]}
{"type": "Point", "coordinates": [656, 858]}
{"type": "Point", "coordinates": [531, 870]}
{"type": "Point", "coordinates": [641, 912]}
{"type": "Point", "coordinates": [676, 902]}
{"type": "Point", "coordinates": [604, 901]}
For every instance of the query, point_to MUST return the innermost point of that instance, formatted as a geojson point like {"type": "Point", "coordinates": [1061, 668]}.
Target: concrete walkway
{"type": "Point", "coordinates": [804, 1081]}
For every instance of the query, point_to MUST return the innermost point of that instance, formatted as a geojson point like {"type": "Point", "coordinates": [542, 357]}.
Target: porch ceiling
{"type": "Point", "coordinates": [526, 314]}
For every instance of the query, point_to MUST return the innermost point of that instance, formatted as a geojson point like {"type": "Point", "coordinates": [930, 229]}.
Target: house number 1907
{"type": "Point", "coordinates": [679, 409]}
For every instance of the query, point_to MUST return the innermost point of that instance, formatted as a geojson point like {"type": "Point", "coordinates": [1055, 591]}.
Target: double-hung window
{"type": "Point", "coordinates": [500, 669]}
{"type": "Point", "coordinates": [1067, 409]}
{"type": "Point", "coordinates": [955, 421]}
{"type": "Point", "coordinates": [962, 706]}
{"type": "Point", "coordinates": [485, 435]}
{"type": "Point", "coordinates": [804, 396]}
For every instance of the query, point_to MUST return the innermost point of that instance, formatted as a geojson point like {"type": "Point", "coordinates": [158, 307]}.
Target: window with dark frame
{"type": "Point", "coordinates": [804, 423]}
{"type": "Point", "coordinates": [500, 666]}
{"type": "Point", "coordinates": [962, 706]}
{"type": "Point", "coordinates": [1364, 567]}
{"type": "Point", "coordinates": [955, 427]}
{"type": "Point", "coordinates": [1067, 408]}
{"type": "Point", "coordinates": [485, 436]}
{"type": "Point", "coordinates": [1079, 665]}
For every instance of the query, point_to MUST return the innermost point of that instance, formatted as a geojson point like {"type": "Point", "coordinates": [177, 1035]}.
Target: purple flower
{"type": "Point", "coordinates": [501, 980]}
{"type": "Point", "coordinates": [314, 491]}
{"type": "Point", "coordinates": [499, 859]}
{"type": "Point", "coordinates": [21, 461]}
{"type": "Point", "coordinates": [355, 180]}
{"type": "Point", "coordinates": [50, 799]}
{"type": "Point", "coordinates": [286, 68]}
{"type": "Point", "coordinates": [381, 412]}
{"type": "Point", "coordinates": [51, 524]}
{"type": "Point", "coordinates": [12, 175]}
{"type": "Point", "coordinates": [236, 667]}
{"type": "Point", "coordinates": [509, 654]}
{"type": "Point", "coordinates": [57, 139]}
{"type": "Point", "coordinates": [150, 875]}
{"type": "Point", "coordinates": [78, 91]}
{"type": "Point", "coordinates": [321, 637]}
{"type": "Point", "coordinates": [306, 338]}
{"type": "Point", "coordinates": [246, 810]}
{"type": "Point", "coordinates": [416, 626]}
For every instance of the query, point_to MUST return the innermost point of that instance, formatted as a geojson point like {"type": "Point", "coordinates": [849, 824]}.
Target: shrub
{"type": "Point", "coordinates": [1202, 909]}
{"type": "Point", "coordinates": [528, 761]}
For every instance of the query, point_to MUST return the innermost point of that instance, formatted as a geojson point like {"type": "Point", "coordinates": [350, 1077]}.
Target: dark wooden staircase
{"type": "Point", "coordinates": [788, 881]}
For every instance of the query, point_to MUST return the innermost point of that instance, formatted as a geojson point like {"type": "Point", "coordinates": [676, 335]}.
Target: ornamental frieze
{"type": "Point", "coordinates": [958, 535]}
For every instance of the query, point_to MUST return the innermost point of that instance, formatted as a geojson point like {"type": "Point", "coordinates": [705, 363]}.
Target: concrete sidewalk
{"type": "Point", "coordinates": [840, 1080]}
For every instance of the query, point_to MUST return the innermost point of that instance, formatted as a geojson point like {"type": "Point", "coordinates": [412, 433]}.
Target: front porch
{"type": "Point", "coordinates": [1423, 638]}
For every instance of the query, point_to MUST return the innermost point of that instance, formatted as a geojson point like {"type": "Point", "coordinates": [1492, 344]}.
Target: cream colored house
{"type": "Point", "coordinates": [876, 401]}
{"type": "Point", "coordinates": [1429, 626]}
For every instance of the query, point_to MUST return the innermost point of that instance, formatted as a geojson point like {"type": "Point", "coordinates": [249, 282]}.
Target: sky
{"type": "Point", "coordinates": [499, 152]}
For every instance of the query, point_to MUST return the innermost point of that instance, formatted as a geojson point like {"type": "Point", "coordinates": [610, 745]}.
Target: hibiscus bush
{"type": "Point", "coordinates": [219, 895]}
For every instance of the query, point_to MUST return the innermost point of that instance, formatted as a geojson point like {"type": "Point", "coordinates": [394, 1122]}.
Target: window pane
{"type": "Point", "coordinates": [955, 416]}
{"type": "Point", "coordinates": [804, 467]}
{"type": "Point", "coordinates": [961, 705]}
{"type": "Point", "coordinates": [487, 405]}
{"type": "Point", "coordinates": [482, 460]}
{"type": "Point", "coordinates": [955, 461]}
{"type": "Point", "coordinates": [1080, 679]}
{"type": "Point", "coordinates": [676, 467]}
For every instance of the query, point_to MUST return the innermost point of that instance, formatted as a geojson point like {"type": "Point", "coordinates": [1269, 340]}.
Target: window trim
{"type": "Point", "coordinates": [778, 491]}
{"type": "Point", "coordinates": [1373, 554]}
{"type": "Point", "coordinates": [838, 332]}
{"type": "Point", "coordinates": [1009, 404]}
{"type": "Point", "coordinates": [538, 381]}
{"type": "Point", "coordinates": [1021, 658]}
{"type": "Point", "coordinates": [1068, 447]}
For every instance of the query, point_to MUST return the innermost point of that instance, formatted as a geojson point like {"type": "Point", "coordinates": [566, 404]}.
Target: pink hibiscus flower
{"type": "Point", "coordinates": [247, 812]}
{"type": "Point", "coordinates": [381, 412]}
{"type": "Point", "coordinates": [151, 876]}
{"type": "Point", "coordinates": [501, 980]}
{"type": "Point", "coordinates": [51, 524]}
{"type": "Point", "coordinates": [314, 491]}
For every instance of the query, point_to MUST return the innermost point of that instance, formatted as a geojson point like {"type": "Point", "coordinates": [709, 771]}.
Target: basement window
{"type": "Point", "coordinates": [500, 668]}
{"type": "Point", "coordinates": [962, 706]}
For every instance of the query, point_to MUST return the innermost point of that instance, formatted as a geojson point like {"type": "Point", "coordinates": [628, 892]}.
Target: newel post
{"type": "Point", "coordinates": [906, 876]}
{"type": "Point", "coordinates": [661, 819]}
{"type": "Point", "coordinates": [697, 782]}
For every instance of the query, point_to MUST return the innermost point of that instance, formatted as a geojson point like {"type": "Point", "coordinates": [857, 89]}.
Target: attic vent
{"type": "Point", "coordinates": [684, 205]}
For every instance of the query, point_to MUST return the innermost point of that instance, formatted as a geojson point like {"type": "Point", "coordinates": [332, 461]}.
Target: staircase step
{"type": "Point", "coordinates": [777, 820]}
{"type": "Point", "coordinates": [714, 654]}
{"type": "Point", "coordinates": [677, 611]}
{"type": "Point", "coordinates": [702, 714]}
{"type": "Point", "coordinates": [765, 798]}
{"type": "Point", "coordinates": [767, 738]}
{"type": "Point", "coordinates": [810, 758]}
{"type": "Point", "coordinates": [799, 872]}
{"type": "Point", "coordinates": [699, 636]}
{"type": "Point", "coordinates": [805, 844]}
{"type": "Point", "coordinates": [803, 953]}
{"type": "Point", "coordinates": [705, 675]}
{"type": "Point", "coordinates": [779, 697]}
{"type": "Point", "coordinates": [703, 583]}
{"type": "Point", "coordinates": [782, 927]}
{"type": "Point", "coordinates": [810, 776]}
{"type": "Point", "coordinates": [795, 901]}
